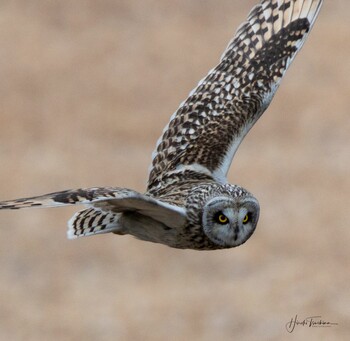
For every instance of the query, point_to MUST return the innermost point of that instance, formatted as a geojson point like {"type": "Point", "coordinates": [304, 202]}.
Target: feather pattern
{"type": "Point", "coordinates": [210, 124]}
{"type": "Point", "coordinates": [106, 204]}
{"type": "Point", "coordinates": [92, 221]}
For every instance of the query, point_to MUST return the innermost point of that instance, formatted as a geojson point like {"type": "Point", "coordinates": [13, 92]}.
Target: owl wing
{"type": "Point", "coordinates": [205, 132]}
{"type": "Point", "coordinates": [106, 203]}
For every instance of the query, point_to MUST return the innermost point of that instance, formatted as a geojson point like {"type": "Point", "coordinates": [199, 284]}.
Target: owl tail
{"type": "Point", "coordinates": [92, 221]}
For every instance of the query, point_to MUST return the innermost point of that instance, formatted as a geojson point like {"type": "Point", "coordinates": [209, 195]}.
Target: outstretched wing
{"type": "Point", "coordinates": [205, 132]}
{"type": "Point", "coordinates": [106, 205]}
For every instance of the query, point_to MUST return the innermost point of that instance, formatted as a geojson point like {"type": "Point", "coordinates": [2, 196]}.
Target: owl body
{"type": "Point", "coordinates": [195, 200]}
{"type": "Point", "coordinates": [188, 202]}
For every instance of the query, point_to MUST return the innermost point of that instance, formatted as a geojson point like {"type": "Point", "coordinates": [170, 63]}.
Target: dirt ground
{"type": "Point", "coordinates": [86, 89]}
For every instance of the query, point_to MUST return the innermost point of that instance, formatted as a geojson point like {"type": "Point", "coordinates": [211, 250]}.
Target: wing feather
{"type": "Point", "coordinates": [208, 127]}
{"type": "Point", "coordinates": [108, 200]}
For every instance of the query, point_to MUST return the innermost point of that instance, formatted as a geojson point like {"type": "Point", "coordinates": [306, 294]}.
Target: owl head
{"type": "Point", "coordinates": [230, 215]}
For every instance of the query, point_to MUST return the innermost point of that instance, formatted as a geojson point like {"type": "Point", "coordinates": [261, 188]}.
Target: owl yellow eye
{"type": "Point", "coordinates": [246, 218]}
{"type": "Point", "coordinates": [221, 218]}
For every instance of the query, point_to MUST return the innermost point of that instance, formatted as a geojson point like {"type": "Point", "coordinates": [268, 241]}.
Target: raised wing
{"type": "Point", "coordinates": [205, 132]}
{"type": "Point", "coordinates": [105, 205]}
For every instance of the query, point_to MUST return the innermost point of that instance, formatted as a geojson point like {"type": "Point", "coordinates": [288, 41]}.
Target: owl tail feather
{"type": "Point", "coordinates": [92, 221]}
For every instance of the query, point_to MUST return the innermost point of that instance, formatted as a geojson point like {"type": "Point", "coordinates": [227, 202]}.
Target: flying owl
{"type": "Point", "coordinates": [188, 203]}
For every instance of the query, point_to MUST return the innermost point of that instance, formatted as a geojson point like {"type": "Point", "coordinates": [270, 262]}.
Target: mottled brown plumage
{"type": "Point", "coordinates": [229, 100]}
{"type": "Point", "coordinates": [188, 203]}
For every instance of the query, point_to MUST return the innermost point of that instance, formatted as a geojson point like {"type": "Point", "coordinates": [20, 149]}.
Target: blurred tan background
{"type": "Point", "coordinates": [86, 89]}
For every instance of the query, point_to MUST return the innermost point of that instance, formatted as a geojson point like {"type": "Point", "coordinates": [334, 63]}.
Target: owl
{"type": "Point", "coordinates": [188, 203]}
